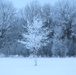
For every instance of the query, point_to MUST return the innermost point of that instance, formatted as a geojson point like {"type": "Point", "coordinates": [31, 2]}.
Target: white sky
{"type": "Point", "coordinates": [22, 3]}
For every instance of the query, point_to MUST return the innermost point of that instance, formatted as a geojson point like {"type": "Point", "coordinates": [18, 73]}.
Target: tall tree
{"type": "Point", "coordinates": [7, 18]}
{"type": "Point", "coordinates": [64, 16]}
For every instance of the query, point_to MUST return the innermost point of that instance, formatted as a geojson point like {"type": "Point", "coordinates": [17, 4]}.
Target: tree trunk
{"type": "Point", "coordinates": [35, 60]}
{"type": "Point", "coordinates": [35, 56]}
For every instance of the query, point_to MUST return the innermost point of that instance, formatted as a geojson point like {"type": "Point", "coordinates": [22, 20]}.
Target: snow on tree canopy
{"type": "Point", "coordinates": [36, 35]}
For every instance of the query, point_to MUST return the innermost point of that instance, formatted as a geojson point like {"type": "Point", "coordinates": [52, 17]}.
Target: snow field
{"type": "Point", "coordinates": [46, 66]}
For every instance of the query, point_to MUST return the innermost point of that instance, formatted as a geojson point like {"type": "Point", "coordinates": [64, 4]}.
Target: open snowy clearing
{"type": "Point", "coordinates": [46, 66]}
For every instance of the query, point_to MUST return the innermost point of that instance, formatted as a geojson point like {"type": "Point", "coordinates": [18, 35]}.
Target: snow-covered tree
{"type": "Point", "coordinates": [7, 17]}
{"type": "Point", "coordinates": [47, 18]}
{"type": "Point", "coordinates": [63, 20]}
{"type": "Point", "coordinates": [36, 37]}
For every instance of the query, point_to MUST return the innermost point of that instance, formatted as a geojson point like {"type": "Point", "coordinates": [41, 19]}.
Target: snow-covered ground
{"type": "Point", "coordinates": [46, 66]}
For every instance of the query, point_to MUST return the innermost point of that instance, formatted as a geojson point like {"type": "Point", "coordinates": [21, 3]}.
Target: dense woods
{"type": "Point", "coordinates": [41, 30]}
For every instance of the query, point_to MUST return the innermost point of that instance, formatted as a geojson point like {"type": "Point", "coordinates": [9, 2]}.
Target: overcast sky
{"type": "Point", "coordinates": [22, 3]}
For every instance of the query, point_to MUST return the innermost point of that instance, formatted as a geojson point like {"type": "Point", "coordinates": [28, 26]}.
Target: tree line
{"type": "Point", "coordinates": [42, 30]}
